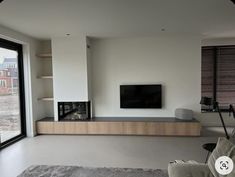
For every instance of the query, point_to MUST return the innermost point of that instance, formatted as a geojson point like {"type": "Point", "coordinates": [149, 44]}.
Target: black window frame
{"type": "Point", "coordinates": [19, 48]}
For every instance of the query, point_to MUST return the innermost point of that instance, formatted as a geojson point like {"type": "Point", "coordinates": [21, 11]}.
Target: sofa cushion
{"type": "Point", "coordinates": [189, 169]}
{"type": "Point", "coordinates": [223, 148]}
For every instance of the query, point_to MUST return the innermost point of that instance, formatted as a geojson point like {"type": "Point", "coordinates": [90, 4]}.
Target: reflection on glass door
{"type": "Point", "coordinates": [11, 92]}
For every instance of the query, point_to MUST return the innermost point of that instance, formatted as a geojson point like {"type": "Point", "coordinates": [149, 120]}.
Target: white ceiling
{"type": "Point", "coordinates": [114, 18]}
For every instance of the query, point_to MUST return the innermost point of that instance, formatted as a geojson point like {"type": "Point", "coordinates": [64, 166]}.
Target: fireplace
{"type": "Point", "coordinates": [74, 111]}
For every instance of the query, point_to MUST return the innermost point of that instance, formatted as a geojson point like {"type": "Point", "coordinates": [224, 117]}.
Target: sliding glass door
{"type": "Point", "coordinates": [12, 110]}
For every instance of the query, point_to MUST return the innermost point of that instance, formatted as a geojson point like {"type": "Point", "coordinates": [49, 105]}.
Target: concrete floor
{"type": "Point", "coordinates": [100, 151]}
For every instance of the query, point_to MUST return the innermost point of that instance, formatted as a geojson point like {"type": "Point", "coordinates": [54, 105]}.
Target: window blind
{"type": "Point", "coordinates": [225, 82]}
{"type": "Point", "coordinates": [218, 74]}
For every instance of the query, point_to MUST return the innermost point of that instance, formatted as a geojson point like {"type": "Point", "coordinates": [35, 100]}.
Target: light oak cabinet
{"type": "Point", "coordinates": [120, 128]}
{"type": "Point", "coordinates": [112, 128]}
{"type": "Point", "coordinates": [45, 127]}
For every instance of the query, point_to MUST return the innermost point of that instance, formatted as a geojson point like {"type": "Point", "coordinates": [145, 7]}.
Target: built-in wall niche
{"type": "Point", "coordinates": [45, 80]}
{"type": "Point", "coordinates": [74, 111]}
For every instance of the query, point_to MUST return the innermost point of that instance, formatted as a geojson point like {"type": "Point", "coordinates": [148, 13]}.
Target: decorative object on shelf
{"type": "Point", "coordinates": [184, 114]}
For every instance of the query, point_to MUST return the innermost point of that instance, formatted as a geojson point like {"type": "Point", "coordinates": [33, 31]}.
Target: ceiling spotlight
{"type": "Point", "coordinates": [68, 34]}
{"type": "Point", "coordinates": [163, 29]}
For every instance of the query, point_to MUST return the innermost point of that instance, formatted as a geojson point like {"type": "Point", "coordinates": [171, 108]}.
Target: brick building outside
{"type": "Point", "coordinates": [8, 76]}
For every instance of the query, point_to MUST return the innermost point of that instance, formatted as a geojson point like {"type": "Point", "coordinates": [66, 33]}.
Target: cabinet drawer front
{"type": "Point", "coordinates": [173, 129]}
{"type": "Point", "coordinates": [75, 128]}
{"type": "Point", "coordinates": [45, 127]}
{"type": "Point", "coordinates": [113, 128]}
{"type": "Point", "coordinates": [135, 128]}
{"type": "Point", "coordinates": [59, 128]}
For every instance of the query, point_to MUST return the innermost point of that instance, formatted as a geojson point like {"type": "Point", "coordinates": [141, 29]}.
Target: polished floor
{"type": "Point", "coordinates": [100, 151]}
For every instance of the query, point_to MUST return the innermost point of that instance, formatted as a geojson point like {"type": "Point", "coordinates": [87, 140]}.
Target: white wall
{"type": "Point", "coordinates": [173, 61]}
{"type": "Point", "coordinates": [69, 58]}
{"type": "Point", "coordinates": [30, 48]}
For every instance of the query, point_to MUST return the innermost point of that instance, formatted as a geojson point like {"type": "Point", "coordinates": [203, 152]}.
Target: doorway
{"type": "Point", "coordinates": [12, 97]}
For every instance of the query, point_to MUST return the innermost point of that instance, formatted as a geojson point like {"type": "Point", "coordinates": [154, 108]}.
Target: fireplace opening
{"type": "Point", "coordinates": [74, 111]}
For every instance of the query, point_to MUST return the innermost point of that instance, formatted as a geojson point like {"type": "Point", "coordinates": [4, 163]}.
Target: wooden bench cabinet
{"type": "Point", "coordinates": [122, 126]}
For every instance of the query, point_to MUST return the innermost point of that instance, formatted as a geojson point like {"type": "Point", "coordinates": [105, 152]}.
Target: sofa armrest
{"type": "Point", "coordinates": [189, 170]}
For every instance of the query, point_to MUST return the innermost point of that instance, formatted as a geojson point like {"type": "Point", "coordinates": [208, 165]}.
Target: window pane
{"type": "Point", "coordinates": [9, 95]}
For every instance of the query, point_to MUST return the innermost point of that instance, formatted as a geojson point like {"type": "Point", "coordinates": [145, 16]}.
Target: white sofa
{"type": "Point", "coordinates": [193, 169]}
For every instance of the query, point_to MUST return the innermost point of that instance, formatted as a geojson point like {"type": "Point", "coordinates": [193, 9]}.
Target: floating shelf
{"type": "Point", "coordinates": [44, 55]}
{"type": "Point", "coordinates": [46, 99]}
{"type": "Point", "coordinates": [45, 77]}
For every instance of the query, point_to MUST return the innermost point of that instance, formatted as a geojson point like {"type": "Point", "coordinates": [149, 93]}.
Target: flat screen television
{"type": "Point", "coordinates": [140, 96]}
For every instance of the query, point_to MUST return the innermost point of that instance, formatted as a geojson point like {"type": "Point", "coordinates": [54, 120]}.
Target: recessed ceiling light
{"type": "Point", "coordinates": [68, 34]}
{"type": "Point", "coordinates": [163, 29]}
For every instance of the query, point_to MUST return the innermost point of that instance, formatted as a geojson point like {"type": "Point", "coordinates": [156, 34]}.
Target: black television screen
{"type": "Point", "coordinates": [140, 96]}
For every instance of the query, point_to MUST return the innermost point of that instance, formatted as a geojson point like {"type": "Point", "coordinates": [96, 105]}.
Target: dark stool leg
{"type": "Point", "coordinates": [209, 147]}
{"type": "Point", "coordinates": [207, 157]}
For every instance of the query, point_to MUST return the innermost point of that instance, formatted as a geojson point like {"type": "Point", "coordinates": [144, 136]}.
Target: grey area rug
{"type": "Point", "coordinates": [74, 171]}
